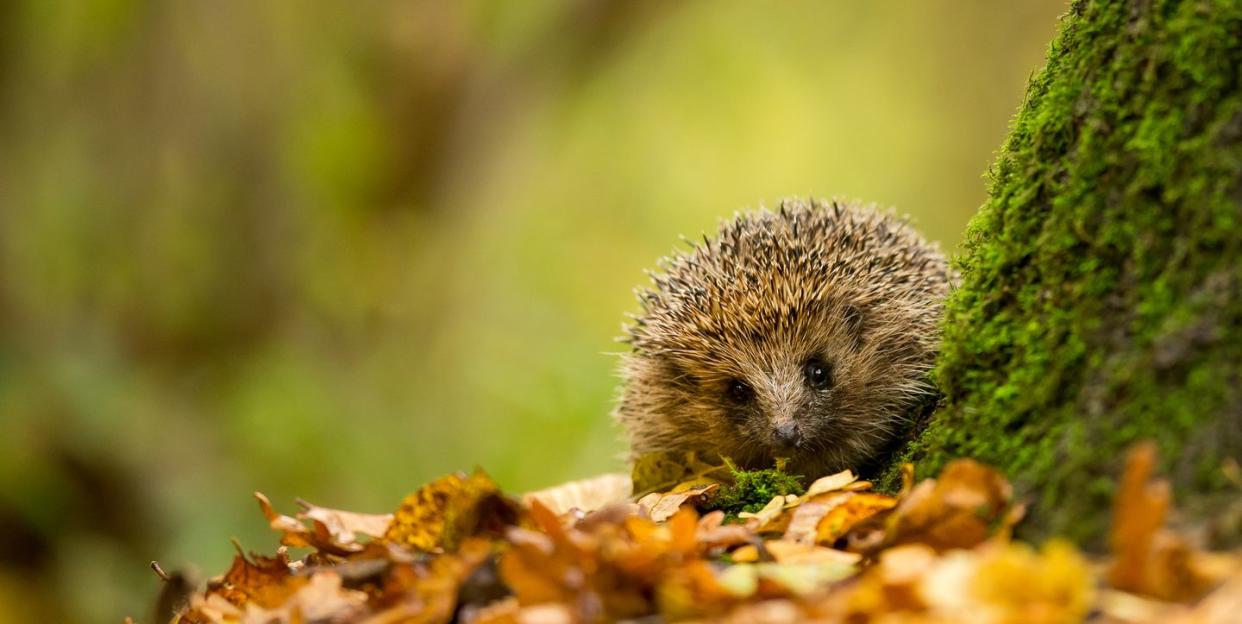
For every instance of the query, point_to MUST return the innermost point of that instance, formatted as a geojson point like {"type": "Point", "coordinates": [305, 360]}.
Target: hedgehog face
{"type": "Point", "coordinates": [818, 389]}
{"type": "Point", "coordinates": [812, 389]}
{"type": "Point", "coordinates": [784, 410]}
{"type": "Point", "coordinates": [805, 335]}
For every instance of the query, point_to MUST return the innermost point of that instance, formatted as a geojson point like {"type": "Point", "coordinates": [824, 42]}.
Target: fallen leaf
{"type": "Point", "coordinates": [445, 511]}
{"type": "Point", "coordinates": [850, 510]}
{"type": "Point", "coordinates": [1022, 585]}
{"type": "Point", "coordinates": [294, 533]}
{"type": "Point", "coordinates": [769, 519]}
{"type": "Point", "coordinates": [267, 581]}
{"type": "Point", "coordinates": [322, 598]}
{"type": "Point", "coordinates": [941, 552]}
{"type": "Point", "coordinates": [829, 483]}
{"type": "Point", "coordinates": [586, 494]}
{"type": "Point", "coordinates": [657, 472]}
{"type": "Point", "coordinates": [956, 510]}
{"type": "Point", "coordinates": [805, 577]}
{"type": "Point", "coordinates": [784, 551]}
{"type": "Point", "coordinates": [804, 520]}
{"type": "Point", "coordinates": [330, 530]}
{"type": "Point", "coordinates": [661, 507]}
{"type": "Point", "coordinates": [1147, 559]}
{"type": "Point", "coordinates": [346, 526]}
{"type": "Point", "coordinates": [745, 554]}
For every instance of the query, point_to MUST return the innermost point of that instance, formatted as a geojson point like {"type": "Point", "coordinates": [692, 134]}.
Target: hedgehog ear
{"type": "Point", "coordinates": [854, 321]}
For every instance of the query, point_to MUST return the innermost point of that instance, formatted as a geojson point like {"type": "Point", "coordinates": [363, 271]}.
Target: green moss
{"type": "Point", "coordinates": [751, 490]}
{"type": "Point", "coordinates": [1100, 301]}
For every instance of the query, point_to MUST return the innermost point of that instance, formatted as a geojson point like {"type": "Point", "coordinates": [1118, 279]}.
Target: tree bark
{"type": "Point", "coordinates": [1099, 302]}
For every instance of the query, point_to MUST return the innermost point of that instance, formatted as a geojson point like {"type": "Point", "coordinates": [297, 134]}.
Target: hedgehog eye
{"type": "Point", "coordinates": [818, 374]}
{"type": "Point", "coordinates": [739, 391]}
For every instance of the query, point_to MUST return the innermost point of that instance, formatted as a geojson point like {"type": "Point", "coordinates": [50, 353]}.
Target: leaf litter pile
{"type": "Point", "coordinates": [710, 543]}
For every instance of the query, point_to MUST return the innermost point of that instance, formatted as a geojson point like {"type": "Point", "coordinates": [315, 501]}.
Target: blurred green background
{"type": "Point", "coordinates": [335, 250]}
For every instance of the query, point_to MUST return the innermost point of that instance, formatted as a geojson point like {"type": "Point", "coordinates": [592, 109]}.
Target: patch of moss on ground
{"type": "Point", "coordinates": [1100, 301]}
{"type": "Point", "coordinates": [751, 490]}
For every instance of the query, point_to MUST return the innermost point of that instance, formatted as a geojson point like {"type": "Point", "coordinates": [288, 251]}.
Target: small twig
{"type": "Point", "coordinates": [155, 565]}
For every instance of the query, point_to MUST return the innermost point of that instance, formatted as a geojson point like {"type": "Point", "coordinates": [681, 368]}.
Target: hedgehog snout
{"type": "Point", "coordinates": [785, 410]}
{"type": "Point", "coordinates": [787, 436]}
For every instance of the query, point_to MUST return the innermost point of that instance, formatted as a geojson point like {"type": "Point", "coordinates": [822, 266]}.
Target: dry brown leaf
{"type": "Point", "coordinates": [531, 569]}
{"type": "Point", "coordinates": [957, 510]}
{"type": "Point", "coordinates": [586, 494]}
{"type": "Point", "coordinates": [1138, 513]}
{"type": "Point", "coordinates": [209, 609]}
{"type": "Point", "coordinates": [1222, 606]}
{"type": "Point", "coordinates": [267, 581]}
{"type": "Point", "coordinates": [331, 530]}
{"type": "Point", "coordinates": [1149, 560]}
{"type": "Point", "coordinates": [431, 592]}
{"type": "Point", "coordinates": [294, 533]}
{"type": "Point", "coordinates": [661, 507]}
{"type": "Point", "coordinates": [346, 526]}
{"type": "Point", "coordinates": [322, 598]}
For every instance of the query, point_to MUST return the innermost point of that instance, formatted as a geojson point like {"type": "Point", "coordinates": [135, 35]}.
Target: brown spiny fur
{"type": "Point", "coordinates": [722, 344]}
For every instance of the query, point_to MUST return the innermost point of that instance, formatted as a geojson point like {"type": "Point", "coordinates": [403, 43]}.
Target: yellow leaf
{"type": "Point", "coordinates": [659, 472]}
{"type": "Point", "coordinates": [829, 483]}
{"type": "Point", "coordinates": [450, 508]}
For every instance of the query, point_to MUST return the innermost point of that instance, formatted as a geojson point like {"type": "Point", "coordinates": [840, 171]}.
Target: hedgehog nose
{"type": "Point", "coordinates": [788, 436]}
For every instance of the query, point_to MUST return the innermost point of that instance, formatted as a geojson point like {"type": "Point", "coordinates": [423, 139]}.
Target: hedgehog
{"type": "Point", "coordinates": [805, 336]}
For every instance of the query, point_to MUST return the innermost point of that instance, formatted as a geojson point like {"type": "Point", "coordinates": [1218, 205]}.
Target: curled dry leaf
{"type": "Point", "coordinates": [830, 483]}
{"type": "Point", "coordinates": [661, 507]}
{"type": "Point", "coordinates": [293, 532]}
{"type": "Point", "coordinates": [345, 526]}
{"type": "Point", "coordinates": [330, 530]}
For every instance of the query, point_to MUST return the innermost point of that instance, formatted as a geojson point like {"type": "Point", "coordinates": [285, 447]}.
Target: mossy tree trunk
{"type": "Point", "coordinates": [1100, 297]}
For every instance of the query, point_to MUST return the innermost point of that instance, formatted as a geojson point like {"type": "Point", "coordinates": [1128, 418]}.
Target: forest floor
{"type": "Point", "coordinates": [708, 543]}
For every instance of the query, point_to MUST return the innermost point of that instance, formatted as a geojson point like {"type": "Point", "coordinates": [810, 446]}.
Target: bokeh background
{"type": "Point", "coordinates": [333, 250]}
